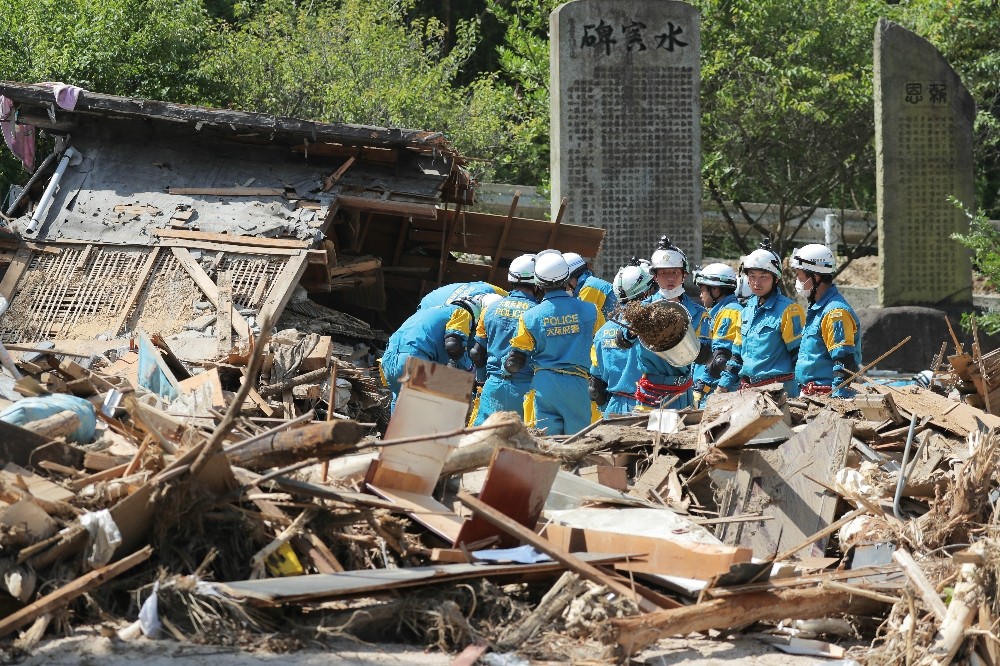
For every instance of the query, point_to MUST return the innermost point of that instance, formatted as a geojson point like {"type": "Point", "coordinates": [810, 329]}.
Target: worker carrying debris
{"type": "Point", "coordinates": [614, 359]}
{"type": "Point", "coordinates": [451, 293]}
{"type": "Point", "coordinates": [770, 329]}
{"type": "Point", "coordinates": [555, 337]}
{"type": "Point", "coordinates": [660, 380]}
{"type": "Point", "coordinates": [503, 392]}
{"type": "Point", "coordinates": [717, 283]}
{"type": "Point", "coordinates": [440, 334]}
{"type": "Point", "coordinates": [588, 287]}
{"type": "Point", "coordinates": [830, 351]}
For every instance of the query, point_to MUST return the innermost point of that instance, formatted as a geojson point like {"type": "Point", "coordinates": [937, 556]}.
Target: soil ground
{"type": "Point", "coordinates": [89, 648]}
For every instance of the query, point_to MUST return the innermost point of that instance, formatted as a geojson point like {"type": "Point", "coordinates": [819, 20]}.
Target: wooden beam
{"type": "Point", "coordinates": [449, 239]}
{"type": "Point", "coordinates": [282, 288]}
{"type": "Point", "coordinates": [210, 289]}
{"type": "Point", "coordinates": [231, 239]}
{"type": "Point", "coordinates": [133, 297]}
{"type": "Point", "coordinates": [389, 207]}
{"type": "Point", "coordinates": [17, 267]}
{"type": "Point", "coordinates": [69, 592]}
{"type": "Point", "coordinates": [400, 241]}
{"type": "Point", "coordinates": [570, 561]}
{"type": "Point", "coordinates": [338, 174]}
{"type": "Point", "coordinates": [503, 236]}
{"type": "Point", "coordinates": [557, 222]}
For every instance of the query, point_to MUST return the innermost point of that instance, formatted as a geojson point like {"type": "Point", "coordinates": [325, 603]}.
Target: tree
{"type": "Point", "coordinates": [358, 61]}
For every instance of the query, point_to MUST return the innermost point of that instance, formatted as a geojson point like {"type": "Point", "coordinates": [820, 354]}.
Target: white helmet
{"type": "Point", "coordinates": [632, 282]}
{"type": "Point", "coordinates": [551, 270]}
{"type": "Point", "coordinates": [668, 255]}
{"type": "Point", "coordinates": [475, 305]}
{"type": "Point", "coordinates": [576, 264]}
{"type": "Point", "coordinates": [743, 289]}
{"type": "Point", "coordinates": [813, 258]}
{"type": "Point", "coordinates": [763, 258]}
{"type": "Point", "coordinates": [716, 275]}
{"type": "Point", "coordinates": [522, 269]}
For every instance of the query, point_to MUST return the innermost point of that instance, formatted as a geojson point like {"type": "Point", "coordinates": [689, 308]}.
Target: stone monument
{"type": "Point", "coordinates": [923, 148]}
{"type": "Point", "coordinates": [626, 132]}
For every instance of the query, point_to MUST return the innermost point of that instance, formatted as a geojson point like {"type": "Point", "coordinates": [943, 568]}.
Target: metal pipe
{"type": "Point", "coordinates": [50, 190]}
{"type": "Point", "coordinates": [903, 473]}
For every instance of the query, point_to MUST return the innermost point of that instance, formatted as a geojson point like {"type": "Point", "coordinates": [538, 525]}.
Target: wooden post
{"type": "Point", "coordinates": [503, 236]}
{"type": "Point", "coordinates": [557, 222]}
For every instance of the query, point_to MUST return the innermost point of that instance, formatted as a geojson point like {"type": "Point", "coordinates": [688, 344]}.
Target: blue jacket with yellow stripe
{"type": "Point", "coordinates": [617, 366]}
{"type": "Point", "coordinates": [497, 325]}
{"type": "Point", "coordinates": [832, 335]}
{"type": "Point", "coordinates": [422, 335]}
{"type": "Point", "coordinates": [724, 318]}
{"type": "Point", "coordinates": [600, 292]}
{"type": "Point", "coordinates": [770, 333]}
{"type": "Point", "coordinates": [657, 369]}
{"type": "Point", "coordinates": [557, 333]}
{"type": "Point", "coordinates": [456, 290]}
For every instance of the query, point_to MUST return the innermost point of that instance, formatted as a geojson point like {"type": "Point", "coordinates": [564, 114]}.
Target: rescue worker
{"type": "Point", "coordinates": [588, 287]}
{"type": "Point", "coordinates": [770, 329]}
{"type": "Point", "coordinates": [555, 337]}
{"type": "Point", "coordinates": [440, 334]}
{"type": "Point", "coordinates": [614, 366]}
{"type": "Point", "coordinates": [717, 283]}
{"type": "Point", "coordinates": [451, 293]}
{"type": "Point", "coordinates": [497, 325]}
{"type": "Point", "coordinates": [830, 351]}
{"type": "Point", "coordinates": [661, 381]}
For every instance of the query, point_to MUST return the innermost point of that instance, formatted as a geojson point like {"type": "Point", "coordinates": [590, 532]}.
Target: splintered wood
{"type": "Point", "coordinates": [659, 326]}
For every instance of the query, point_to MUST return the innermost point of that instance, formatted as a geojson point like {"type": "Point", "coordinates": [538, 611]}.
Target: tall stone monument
{"type": "Point", "coordinates": [923, 147]}
{"type": "Point", "coordinates": [626, 132]}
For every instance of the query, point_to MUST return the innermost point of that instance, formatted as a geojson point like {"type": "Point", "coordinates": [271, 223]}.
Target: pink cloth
{"type": "Point", "coordinates": [66, 95]}
{"type": "Point", "coordinates": [20, 138]}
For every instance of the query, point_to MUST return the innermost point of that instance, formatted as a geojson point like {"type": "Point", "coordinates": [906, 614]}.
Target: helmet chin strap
{"type": "Point", "coordinates": [812, 290]}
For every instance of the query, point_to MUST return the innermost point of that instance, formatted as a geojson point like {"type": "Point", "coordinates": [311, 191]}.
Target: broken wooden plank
{"type": "Point", "coordinates": [777, 483]}
{"type": "Point", "coordinates": [209, 288]}
{"type": "Point", "coordinates": [389, 207]}
{"type": "Point", "coordinates": [733, 419]}
{"type": "Point", "coordinates": [282, 287]}
{"type": "Point", "coordinates": [67, 593]}
{"type": "Point", "coordinates": [569, 560]}
{"type": "Point", "coordinates": [14, 271]}
{"type": "Point", "coordinates": [133, 297]}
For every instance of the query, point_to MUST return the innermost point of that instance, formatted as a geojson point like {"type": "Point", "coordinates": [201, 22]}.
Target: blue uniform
{"type": "Point", "coordinates": [600, 292]}
{"type": "Point", "coordinates": [422, 335]}
{"type": "Point", "coordinates": [497, 325]}
{"type": "Point", "coordinates": [725, 320]}
{"type": "Point", "coordinates": [456, 290]}
{"type": "Point", "coordinates": [770, 333]}
{"type": "Point", "coordinates": [556, 335]}
{"type": "Point", "coordinates": [617, 367]}
{"type": "Point", "coordinates": [661, 374]}
{"type": "Point", "coordinates": [832, 335]}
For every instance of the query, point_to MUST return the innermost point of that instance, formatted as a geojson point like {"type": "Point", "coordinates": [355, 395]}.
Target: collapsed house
{"type": "Point", "coordinates": [191, 449]}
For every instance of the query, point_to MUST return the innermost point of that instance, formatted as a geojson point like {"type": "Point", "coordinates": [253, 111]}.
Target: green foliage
{"type": "Point", "coordinates": [984, 241]}
{"type": "Point", "coordinates": [786, 105]}
{"type": "Point", "coordinates": [357, 61]}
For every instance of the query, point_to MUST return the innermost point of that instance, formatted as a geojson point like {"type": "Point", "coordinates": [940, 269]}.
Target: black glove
{"type": "Point", "coordinates": [454, 346]}
{"type": "Point", "coordinates": [598, 390]}
{"type": "Point", "coordinates": [720, 357]}
{"type": "Point", "coordinates": [625, 338]}
{"type": "Point", "coordinates": [478, 355]}
{"type": "Point", "coordinates": [514, 362]}
{"type": "Point", "coordinates": [704, 353]}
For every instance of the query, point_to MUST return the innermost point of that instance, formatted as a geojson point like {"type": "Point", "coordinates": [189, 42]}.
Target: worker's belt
{"type": "Point", "coordinates": [652, 394]}
{"type": "Point", "coordinates": [780, 379]}
{"type": "Point", "coordinates": [575, 372]}
{"type": "Point", "coordinates": [812, 388]}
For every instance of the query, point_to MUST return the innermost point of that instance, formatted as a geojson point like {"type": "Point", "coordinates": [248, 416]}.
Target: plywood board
{"type": "Point", "coordinates": [775, 483]}
{"type": "Point", "coordinates": [733, 419]}
{"type": "Point", "coordinates": [955, 417]}
{"type": "Point", "coordinates": [517, 483]}
{"type": "Point", "coordinates": [425, 510]}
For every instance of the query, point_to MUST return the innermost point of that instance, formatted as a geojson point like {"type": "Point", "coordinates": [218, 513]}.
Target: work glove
{"type": "Point", "coordinates": [625, 338]}
{"type": "Point", "coordinates": [598, 391]}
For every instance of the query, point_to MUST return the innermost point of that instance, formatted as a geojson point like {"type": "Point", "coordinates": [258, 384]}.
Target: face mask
{"type": "Point", "coordinates": [801, 289]}
{"type": "Point", "coordinates": [672, 293]}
